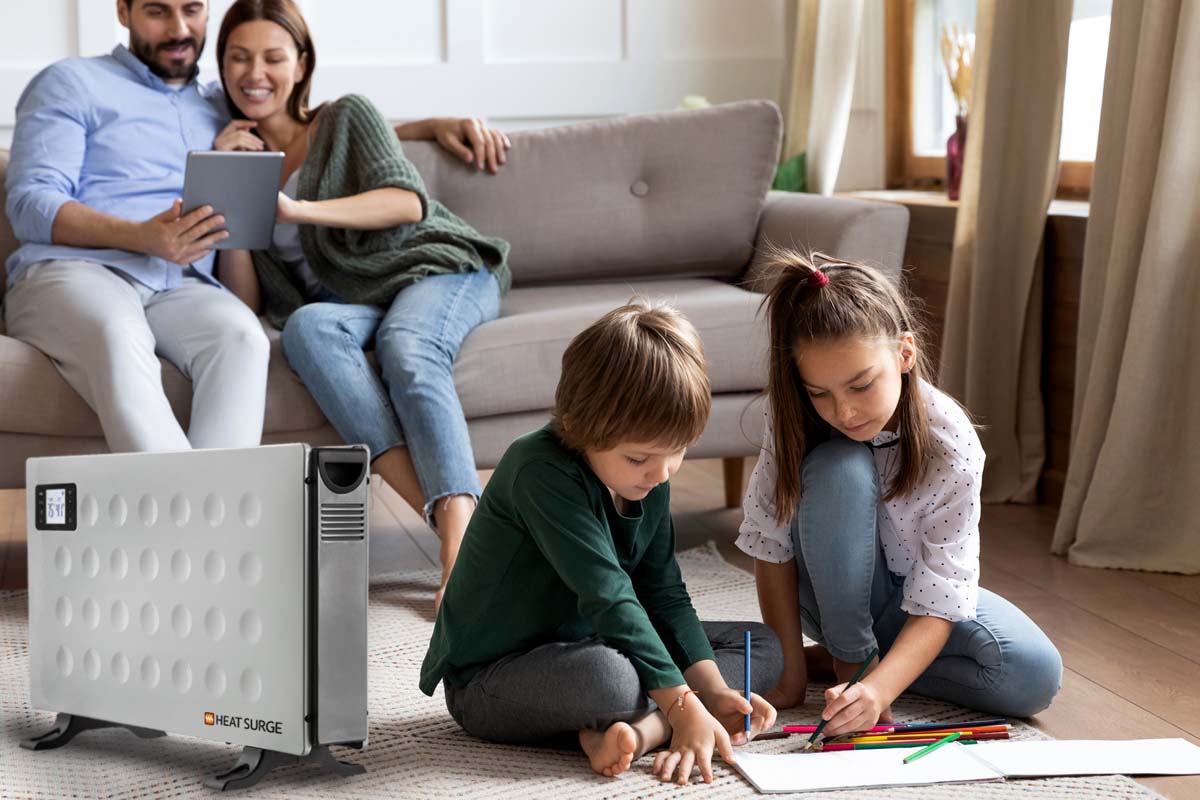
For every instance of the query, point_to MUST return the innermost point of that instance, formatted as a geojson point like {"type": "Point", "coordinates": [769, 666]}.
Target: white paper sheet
{"type": "Point", "coordinates": [861, 769]}
{"type": "Point", "coordinates": [1090, 757]}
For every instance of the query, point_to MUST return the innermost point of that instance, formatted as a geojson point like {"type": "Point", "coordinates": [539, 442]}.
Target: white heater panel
{"type": "Point", "coordinates": [178, 602]}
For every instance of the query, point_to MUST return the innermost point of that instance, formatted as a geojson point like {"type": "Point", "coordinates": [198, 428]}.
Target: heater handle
{"type": "Point", "coordinates": [342, 469]}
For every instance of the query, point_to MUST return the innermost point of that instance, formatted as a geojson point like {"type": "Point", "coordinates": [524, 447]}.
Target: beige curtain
{"type": "Point", "coordinates": [1132, 497]}
{"type": "Point", "coordinates": [991, 346]}
{"type": "Point", "coordinates": [823, 58]}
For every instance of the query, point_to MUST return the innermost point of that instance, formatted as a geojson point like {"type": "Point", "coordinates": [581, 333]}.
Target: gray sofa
{"type": "Point", "coordinates": [671, 205]}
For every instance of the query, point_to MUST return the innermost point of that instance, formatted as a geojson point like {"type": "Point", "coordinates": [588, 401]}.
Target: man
{"type": "Point", "coordinates": [106, 279]}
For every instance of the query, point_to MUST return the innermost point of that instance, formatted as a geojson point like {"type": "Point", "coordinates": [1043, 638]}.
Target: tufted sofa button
{"type": "Point", "coordinates": [640, 188]}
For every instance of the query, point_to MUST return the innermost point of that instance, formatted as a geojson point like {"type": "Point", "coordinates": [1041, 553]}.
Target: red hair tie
{"type": "Point", "coordinates": [817, 279]}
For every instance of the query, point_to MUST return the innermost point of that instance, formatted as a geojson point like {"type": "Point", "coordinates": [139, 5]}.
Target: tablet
{"type": "Point", "coordinates": [244, 186]}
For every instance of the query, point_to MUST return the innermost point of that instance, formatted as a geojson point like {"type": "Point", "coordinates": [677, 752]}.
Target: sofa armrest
{"type": "Point", "coordinates": [870, 231]}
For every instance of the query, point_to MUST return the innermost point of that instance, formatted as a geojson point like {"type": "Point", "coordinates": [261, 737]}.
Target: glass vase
{"type": "Point", "coordinates": [956, 145]}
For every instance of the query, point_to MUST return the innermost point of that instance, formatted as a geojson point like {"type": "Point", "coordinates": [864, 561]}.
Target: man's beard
{"type": "Point", "coordinates": [176, 69]}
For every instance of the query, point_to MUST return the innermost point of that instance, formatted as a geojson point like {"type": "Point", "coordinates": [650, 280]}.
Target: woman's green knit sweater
{"type": "Point", "coordinates": [353, 151]}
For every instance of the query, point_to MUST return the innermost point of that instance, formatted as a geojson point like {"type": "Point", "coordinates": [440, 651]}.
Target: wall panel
{"type": "Point", "coordinates": [519, 63]}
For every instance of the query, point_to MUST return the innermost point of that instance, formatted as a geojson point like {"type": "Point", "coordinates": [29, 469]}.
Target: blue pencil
{"type": "Point", "coordinates": [747, 676]}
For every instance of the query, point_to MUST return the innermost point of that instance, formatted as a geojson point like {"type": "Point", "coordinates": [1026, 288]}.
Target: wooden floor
{"type": "Point", "coordinates": [1130, 641]}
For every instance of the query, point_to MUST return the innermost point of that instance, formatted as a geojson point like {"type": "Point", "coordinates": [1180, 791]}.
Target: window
{"type": "Point", "coordinates": [921, 108]}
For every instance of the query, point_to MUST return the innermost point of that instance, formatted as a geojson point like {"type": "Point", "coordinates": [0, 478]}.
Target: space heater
{"type": "Point", "coordinates": [212, 593]}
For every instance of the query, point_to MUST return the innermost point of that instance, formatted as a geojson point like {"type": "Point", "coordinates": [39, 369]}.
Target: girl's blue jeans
{"type": "Point", "coordinates": [414, 404]}
{"type": "Point", "coordinates": [998, 663]}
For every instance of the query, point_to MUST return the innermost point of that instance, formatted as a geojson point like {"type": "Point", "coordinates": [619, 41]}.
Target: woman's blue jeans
{"type": "Point", "coordinates": [999, 663]}
{"type": "Point", "coordinates": [414, 404]}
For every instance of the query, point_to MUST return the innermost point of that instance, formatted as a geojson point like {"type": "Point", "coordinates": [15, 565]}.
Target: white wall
{"type": "Point", "coordinates": [519, 63]}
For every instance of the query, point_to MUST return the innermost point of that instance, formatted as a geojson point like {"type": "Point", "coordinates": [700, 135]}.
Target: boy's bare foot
{"type": "Point", "coordinates": [610, 752]}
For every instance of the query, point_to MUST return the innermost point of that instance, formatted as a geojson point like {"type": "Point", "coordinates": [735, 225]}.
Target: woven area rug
{"type": "Point", "coordinates": [415, 749]}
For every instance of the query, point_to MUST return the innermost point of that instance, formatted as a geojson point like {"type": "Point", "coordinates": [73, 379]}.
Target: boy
{"type": "Point", "coordinates": [565, 615]}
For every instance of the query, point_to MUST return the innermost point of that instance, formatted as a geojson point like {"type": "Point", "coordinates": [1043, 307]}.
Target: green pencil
{"type": "Point", "coordinates": [932, 747]}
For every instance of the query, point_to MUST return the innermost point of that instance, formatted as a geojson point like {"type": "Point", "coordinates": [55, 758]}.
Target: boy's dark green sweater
{"type": "Point", "coordinates": [547, 558]}
{"type": "Point", "coordinates": [354, 151]}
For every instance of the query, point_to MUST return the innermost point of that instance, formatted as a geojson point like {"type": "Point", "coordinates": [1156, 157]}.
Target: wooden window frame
{"type": "Point", "coordinates": [905, 169]}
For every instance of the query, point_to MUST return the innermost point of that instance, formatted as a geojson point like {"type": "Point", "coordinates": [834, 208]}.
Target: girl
{"type": "Point", "coordinates": [566, 617]}
{"type": "Point", "coordinates": [361, 256]}
{"type": "Point", "coordinates": [863, 513]}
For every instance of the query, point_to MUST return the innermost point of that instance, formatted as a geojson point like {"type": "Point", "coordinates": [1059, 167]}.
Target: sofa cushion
{"type": "Point", "coordinates": [679, 192]}
{"type": "Point", "coordinates": [673, 194]}
{"type": "Point", "coordinates": [522, 350]}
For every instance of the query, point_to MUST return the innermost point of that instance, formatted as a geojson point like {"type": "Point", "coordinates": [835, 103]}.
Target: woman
{"type": "Point", "coordinates": [361, 256]}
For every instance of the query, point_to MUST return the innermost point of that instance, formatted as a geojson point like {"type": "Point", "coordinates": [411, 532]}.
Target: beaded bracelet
{"type": "Point", "coordinates": [678, 702]}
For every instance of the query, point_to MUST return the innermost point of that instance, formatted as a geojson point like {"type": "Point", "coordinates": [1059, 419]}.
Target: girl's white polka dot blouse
{"type": "Point", "coordinates": [930, 536]}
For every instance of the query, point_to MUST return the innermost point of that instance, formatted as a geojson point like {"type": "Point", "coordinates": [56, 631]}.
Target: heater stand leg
{"type": "Point", "coordinates": [68, 726]}
{"type": "Point", "coordinates": [254, 763]}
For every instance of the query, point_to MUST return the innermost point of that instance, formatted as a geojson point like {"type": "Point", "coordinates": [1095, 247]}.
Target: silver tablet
{"type": "Point", "coordinates": [244, 186]}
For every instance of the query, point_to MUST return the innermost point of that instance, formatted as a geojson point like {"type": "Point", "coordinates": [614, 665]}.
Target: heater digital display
{"type": "Point", "coordinates": [54, 507]}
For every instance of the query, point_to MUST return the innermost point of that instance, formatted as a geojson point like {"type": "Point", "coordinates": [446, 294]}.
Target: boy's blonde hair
{"type": "Point", "coordinates": [637, 374]}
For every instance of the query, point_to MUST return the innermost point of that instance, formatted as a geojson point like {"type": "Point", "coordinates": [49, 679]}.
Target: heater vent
{"type": "Point", "coordinates": [341, 521]}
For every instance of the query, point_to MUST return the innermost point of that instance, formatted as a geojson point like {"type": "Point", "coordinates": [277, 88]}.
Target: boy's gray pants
{"type": "Point", "coordinates": [548, 694]}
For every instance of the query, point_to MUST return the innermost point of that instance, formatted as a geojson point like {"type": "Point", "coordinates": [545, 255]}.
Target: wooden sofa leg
{"type": "Point", "coordinates": [735, 480]}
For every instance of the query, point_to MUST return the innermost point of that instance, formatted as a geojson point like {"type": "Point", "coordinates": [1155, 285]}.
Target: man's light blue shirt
{"type": "Point", "coordinates": [110, 134]}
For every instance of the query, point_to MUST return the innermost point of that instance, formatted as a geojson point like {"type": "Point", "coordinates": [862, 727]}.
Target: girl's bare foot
{"type": "Point", "coordinates": [610, 752]}
{"type": "Point", "coordinates": [819, 663]}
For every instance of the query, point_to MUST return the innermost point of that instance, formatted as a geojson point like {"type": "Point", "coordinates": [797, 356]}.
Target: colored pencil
{"type": "Point", "coordinates": [881, 739]}
{"type": "Point", "coordinates": [861, 669]}
{"type": "Point", "coordinates": [951, 726]}
{"type": "Point", "coordinates": [932, 747]}
{"type": "Point", "coordinates": [811, 728]}
{"type": "Point", "coordinates": [828, 747]}
{"type": "Point", "coordinates": [747, 677]}
{"type": "Point", "coordinates": [994, 725]}
{"type": "Point", "coordinates": [917, 735]}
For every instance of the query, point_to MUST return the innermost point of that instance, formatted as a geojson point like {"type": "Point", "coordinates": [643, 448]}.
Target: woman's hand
{"type": "Point", "coordinates": [237, 136]}
{"type": "Point", "coordinates": [695, 734]}
{"type": "Point", "coordinates": [472, 141]}
{"type": "Point", "coordinates": [856, 708]}
{"type": "Point", "coordinates": [287, 210]}
{"type": "Point", "coordinates": [730, 708]}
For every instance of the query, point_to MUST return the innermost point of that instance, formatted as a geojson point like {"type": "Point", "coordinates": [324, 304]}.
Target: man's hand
{"type": "Point", "coordinates": [472, 141]}
{"type": "Point", "coordinates": [181, 238]}
{"type": "Point", "coordinates": [238, 136]}
{"type": "Point", "coordinates": [730, 708]}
